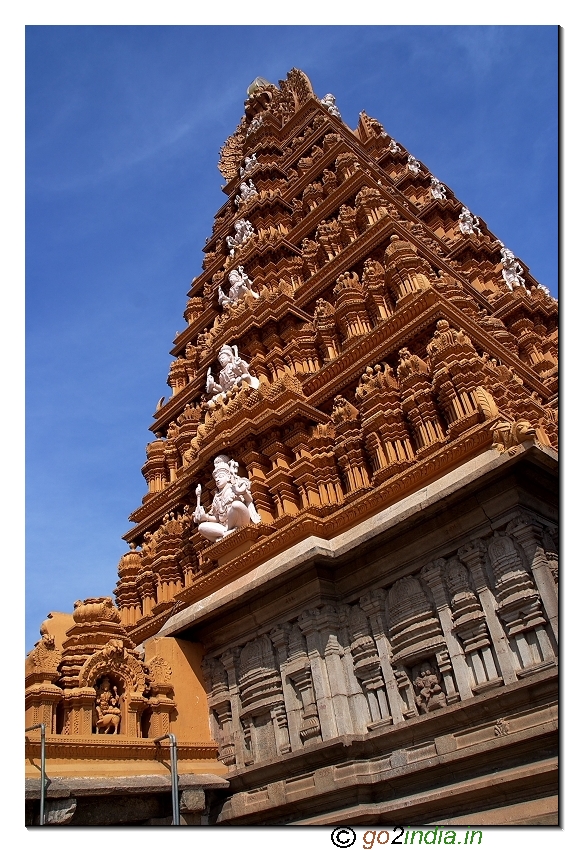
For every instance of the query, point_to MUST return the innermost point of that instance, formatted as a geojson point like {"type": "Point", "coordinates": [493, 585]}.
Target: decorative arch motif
{"type": "Point", "coordinates": [113, 659]}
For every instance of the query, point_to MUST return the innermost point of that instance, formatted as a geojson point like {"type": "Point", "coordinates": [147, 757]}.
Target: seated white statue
{"type": "Point", "coordinates": [232, 505]}
{"type": "Point", "coordinates": [234, 370]}
{"type": "Point", "coordinates": [240, 284]}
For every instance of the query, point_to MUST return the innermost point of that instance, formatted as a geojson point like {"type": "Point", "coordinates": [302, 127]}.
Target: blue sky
{"type": "Point", "coordinates": [124, 125]}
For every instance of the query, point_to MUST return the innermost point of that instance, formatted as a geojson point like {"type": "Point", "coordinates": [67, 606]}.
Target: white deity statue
{"type": "Point", "coordinates": [437, 189]}
{"type": "Point", "coordinates": [234, 371]}
{"type": "Point", "coordinates": [232, 506]}
{"type": "Point", "coordinates": [413, 164]}
{"type": "Point", "coordinates": [250, 162]}
{"type": "Point", "coordinates": [468, 223]}
{"type": "Point", "coordinates": [239, 285]}
{"type": "Point", "coordinates": [254, 125]}
{"type": "Point", "coordinates": [247, 190]}
{"type": "Point", "coordinates": [330, 103]}
{"type": "Point", "coordinates": [243, 232]}
{"type": "Point", "coordinates": [511, 269]}
{"type": "Point", "coordinates": [394, 147]}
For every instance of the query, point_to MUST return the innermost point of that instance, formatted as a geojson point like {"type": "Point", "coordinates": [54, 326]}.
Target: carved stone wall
{"type": "Point", "coordinates": [463, 624]}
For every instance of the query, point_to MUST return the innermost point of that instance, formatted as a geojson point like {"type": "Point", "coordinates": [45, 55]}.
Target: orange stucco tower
{"type": "Point", "coordinates": [345, 562]}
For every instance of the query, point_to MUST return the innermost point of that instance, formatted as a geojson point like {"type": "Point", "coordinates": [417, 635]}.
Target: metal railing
{"type": "Point", "coordinates": [42, 727]}
{"type": "Point", "coordinates": [173, 775]}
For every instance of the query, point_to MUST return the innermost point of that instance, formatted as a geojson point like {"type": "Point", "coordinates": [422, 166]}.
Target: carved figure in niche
{"type": "Point", "coordinates": [234, 370]}
{"type": "Point", "coordinates": [247, 190]}
{"type": "Point", "coordinates": [394, 147]}
{"type": "Point", "coordinates": [243, 232]}
{"type": "Point", "coordinates": [429, 695]}
{"type": "Point", "coordinates": [511, 269]}
{"type": "Point", "coordinates": [239, 285]}
{"type": "Point", "coordinates": [232, 505]}
{"type": "Point", "coordinates": [468, 223]}
{"type": "Point", "coordinates": [437, 189]}
{"type": "Point", "coordinates": [107, 709]}
{"type": "Point", "coordinates": [250, 161]}
{"type": "Point", "coordinates": [329, 102]}
{"type": "Point", "coordinates": [413, 164]}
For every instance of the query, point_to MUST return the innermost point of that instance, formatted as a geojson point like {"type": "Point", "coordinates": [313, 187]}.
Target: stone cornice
{"type": "Point", "coordinates": [120, 747]}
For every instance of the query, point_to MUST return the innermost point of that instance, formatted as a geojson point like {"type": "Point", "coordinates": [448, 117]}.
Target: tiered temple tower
{"type": "Point", "coordinates": [374, 376]}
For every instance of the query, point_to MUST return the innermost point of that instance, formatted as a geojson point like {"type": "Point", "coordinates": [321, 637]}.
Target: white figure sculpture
{"type": "Point", "coordinates": [511, 269]}
{"type": "Point", "coordinates": [394, 147]}
{"type": "Point", "coordinates": [232, 505]}
{"type": "Point", "coordinates": [437, 189]}
{"type": "Point", "coordinates": [243, 232]}
{"type": "Point", "coordinates": [413, 164]}
{"type": "Point", "coordinates": [234, 370]}
{"type": "Point", "coordinates": [240, 284]}
{"type": "Point", "coordinates": [254, 125]}
{"type": "Point", "coordinates": [468, 223]}
{"type": "Point", "coordinates": [247, 191]}
{"type": "Point", "coordinates": [329, 101]}
{"type": "Point", "coordinates": [250, 161]}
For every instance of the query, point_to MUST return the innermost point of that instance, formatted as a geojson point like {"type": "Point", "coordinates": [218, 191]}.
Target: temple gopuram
{"type": "Point", "coordinates": [340, 590]}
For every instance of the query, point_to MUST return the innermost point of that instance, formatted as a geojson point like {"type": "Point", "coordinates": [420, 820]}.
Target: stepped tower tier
{"type": "Point", "coordinates": [345, 562]}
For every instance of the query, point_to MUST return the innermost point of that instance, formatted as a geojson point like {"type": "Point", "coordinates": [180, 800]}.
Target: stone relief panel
{"type": "Point", "coordinates": [463, 624]}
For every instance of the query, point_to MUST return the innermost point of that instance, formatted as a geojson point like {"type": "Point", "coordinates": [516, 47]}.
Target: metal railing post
{"type": "Point", "coordinates": [42, 727]}
{"type": "Point", "coordinates": [173, 775]}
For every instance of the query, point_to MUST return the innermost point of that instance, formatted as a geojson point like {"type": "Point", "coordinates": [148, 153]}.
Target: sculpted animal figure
{"type": "Point", "coordinates": [107, 709]}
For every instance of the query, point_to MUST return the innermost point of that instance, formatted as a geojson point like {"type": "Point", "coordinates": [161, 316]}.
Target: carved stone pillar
{"type": "Point", "coordinates": [473, 555]}
{"type": "Point", "coordinates": [366, 665]}
{"type": "Point", "coordinates": [528, 533]}
{"type": "Point", "coordinates": [333, 654]}
{"type": "Point", "coordinates": [519, 604]}
{"type": "Point", "coordinates": [79, 706]}
{"type": "Point", "coordinates": [308, 623]}
{"type": "Point", "coordinates": [373, 605]}
{"type": "Point", "coordinates": [433, 576]}
{"type": "Point", "coordinates": [242, 750]}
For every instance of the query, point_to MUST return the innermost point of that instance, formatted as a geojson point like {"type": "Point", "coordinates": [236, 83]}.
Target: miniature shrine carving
{"type": "Point", "coordinates": [232, 506]}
